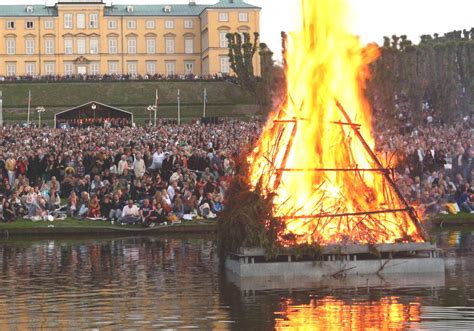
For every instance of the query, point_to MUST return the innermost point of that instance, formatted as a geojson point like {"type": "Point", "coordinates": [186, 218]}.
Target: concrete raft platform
{"type": "Point", "coordinates": [339, 261]}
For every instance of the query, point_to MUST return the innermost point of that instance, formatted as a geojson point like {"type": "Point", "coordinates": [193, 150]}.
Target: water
{"type": "Point", "coordinates": [159, 283]}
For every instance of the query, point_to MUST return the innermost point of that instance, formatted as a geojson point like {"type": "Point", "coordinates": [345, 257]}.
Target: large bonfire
{"type": "Point", "coordinates": [314, 157]}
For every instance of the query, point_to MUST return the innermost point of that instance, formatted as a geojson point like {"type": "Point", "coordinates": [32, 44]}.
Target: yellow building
{"type": "Point", "coordinates": [92, 37]}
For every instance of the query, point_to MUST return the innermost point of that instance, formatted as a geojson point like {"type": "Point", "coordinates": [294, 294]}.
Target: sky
{"type": "Point", "coordinates": [373, 19]}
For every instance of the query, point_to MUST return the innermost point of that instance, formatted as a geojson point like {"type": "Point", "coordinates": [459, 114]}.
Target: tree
{"type": "Point", "coordinates": [438, 71]}
{"type": "Point", "coordinates": [241, 54]}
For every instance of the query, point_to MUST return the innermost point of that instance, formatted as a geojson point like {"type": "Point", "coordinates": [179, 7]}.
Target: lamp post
{"type": "Point", "coordinates": [40, 110]}
{"type": "Point", "coordinates": [1, 108]}
{"type": "Point", "coordinates": [152, 108]}
{"type": "Point", "coordinates": [179, 108]}
{"type": "Point", "coordinates": [94, 107]}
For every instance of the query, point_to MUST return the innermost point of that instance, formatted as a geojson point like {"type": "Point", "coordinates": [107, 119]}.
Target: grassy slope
{"type": "Point", "coordinates": [71, 226]}
{"type": "Point", "coordinates": [224, 99]}
{"type": "Point", "coordinates": [459, 219]}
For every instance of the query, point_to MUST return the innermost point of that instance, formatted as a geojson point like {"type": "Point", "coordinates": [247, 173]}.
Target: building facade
{"type": "Point", "coordinates": [91, 37]}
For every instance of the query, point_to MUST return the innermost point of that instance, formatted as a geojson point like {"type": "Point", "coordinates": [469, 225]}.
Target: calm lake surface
{"type": "Point", "coordinates": [159, 283]}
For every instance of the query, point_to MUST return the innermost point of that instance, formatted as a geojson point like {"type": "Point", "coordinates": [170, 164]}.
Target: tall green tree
{"type": "Point", "coordinates": [242, 50]}
{"type": "Point", "coordinates": [438, 71]}
{"type": "Point", "coordinates": [241, 55]}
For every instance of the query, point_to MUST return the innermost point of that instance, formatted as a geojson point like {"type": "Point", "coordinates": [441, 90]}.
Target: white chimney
{"type": "Point", "coordinates": [192, 2]}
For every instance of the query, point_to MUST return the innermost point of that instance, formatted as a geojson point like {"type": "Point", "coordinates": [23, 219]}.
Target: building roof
{"type": "Point", "coordinates": [123, 10]}
{"type": "Point", "coordinates": [232, 4]}
{"type": "Point", "coordinates": [21, 11]}
{"type": "Point", "coordinates": [155, 10]}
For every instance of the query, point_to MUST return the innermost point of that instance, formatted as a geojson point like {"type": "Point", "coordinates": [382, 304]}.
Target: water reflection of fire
{"type": "Point", "coordinates": [332, 314]}
{"type": "Point", "coordinates": [329, 187]}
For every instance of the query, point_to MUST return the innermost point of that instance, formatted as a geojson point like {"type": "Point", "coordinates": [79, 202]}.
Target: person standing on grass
{"type": "Point", "coordinates": [139, 167]}
{"type": "Point", "coordinates": [10, 165]}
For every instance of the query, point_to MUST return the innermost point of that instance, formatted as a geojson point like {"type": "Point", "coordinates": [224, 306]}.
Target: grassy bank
{"type": "Point", "coordinates": [224, 99]}
{"type": "Point", "coordinates": [461, 219]}
{"type": "Point", "coordinates": [86, 227]}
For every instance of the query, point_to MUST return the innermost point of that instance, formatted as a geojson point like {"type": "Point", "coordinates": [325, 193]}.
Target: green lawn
{"type": "Point", "coordinates": [453, 220]}
{"type": "Point", "coordinates": [224, 99]}
{"type": "Point", "coordinates": [84, 224]}
{"type": "Point", "coordinates": [122, 94]}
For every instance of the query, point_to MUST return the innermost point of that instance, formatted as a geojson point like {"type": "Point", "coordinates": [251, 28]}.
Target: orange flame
{"type": "Point", "coordinates": [308, 138]}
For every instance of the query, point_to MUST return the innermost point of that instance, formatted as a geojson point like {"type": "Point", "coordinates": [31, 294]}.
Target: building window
{"type": "Point", "coordinates": [169, 24]}
{"type": "Point", "coordinates": [81, 21]}
{"type": "Point", "coordinates": [170, 68]}
{"type": "Point", "coordinates": [223, 42]}
{"type": "Point", "coordinates": [30, 46]}
{"type": "Point", "coordinates": [225, 64]}
{"type": "Point", "coordinates": [49, 24]}
{"type": "Point", "coordinates": [223, 17]}
{"type": "Point", "coordinates": [189, 46]}
{"type": "Point", "coordinates": [30, 68]}
{"type": "Point", "coordinates": [132, 24]}
{"type": "Point", "coordinates": [94, 46]}
{"type": "Point", "coordinates": [112, 46]}
{"type": "Point", "coordinates": [93, 21]}
{"type": "Point", "coordinates": [11, 69]}
{"type": "Point", "coordinates": [113, 67]}
{"type": "Point", "coordinates": [11, 25]}
{"type": "Point", "coordinates": [81, 46]}
{"type": "Point", "coordinates": [68, 49]}
{"type": "Point", "coordinates": [68, 68]}
{"type": "Point", "coordinates": [189, 67]}
{"type": "Point", "coordinates": [150, 24]}
{"type": "Point", "coordinates": [112, 24]}
{"type": "Point", "coordinates": [68, 21]}
{"type": "Point", "coordinates": [151, 46]}
{"type": "Point", "coordinates": [151, 67]}
{"type": "Point", "coordinates": [95, 68]}
{"type": "Point", "coordinates": [169, 43]}
{"type": "Point", "coordinates": [11, 46]}
{"type": "Point", "coordinates": [132, 46]}
{"type": "Point", "coordinates": [30, 25]}
{"type": "Point", "coordinates": [188, 24]}
{"type": "Point", "coordinates": [132, 68]}
{"type": "Point", "coordinates": [243, 17]}
{"type": "Point", "coordinates": [49, 46]}
{"type": "Point", "coordinates": [49, 68]}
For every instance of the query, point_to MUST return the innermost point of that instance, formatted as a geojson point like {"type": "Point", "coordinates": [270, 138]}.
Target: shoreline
{"type": "Point", "coordinates": [98, 228]}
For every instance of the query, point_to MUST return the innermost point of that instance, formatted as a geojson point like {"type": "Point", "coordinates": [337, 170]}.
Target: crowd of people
{"type": "Point", "coordinates": [433, 161]}
{"type": "Point", "coordinates": [156, 175]}
{"type": "Point", "coordinates": [106, 122]}
{"type": "Point", "coordinates": [117, 77]}
{"type": "Point", "coordinates": [126, 175]}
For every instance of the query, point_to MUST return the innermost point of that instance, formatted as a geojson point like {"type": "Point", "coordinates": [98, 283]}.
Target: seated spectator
{"type": "Point", "coordinates": [72, 204]}
{"type": "Point", "coordinates": [178, 209]}
{"type": "Point", "coordinates": [116, 208]}
{"type": "Point", "coordinates": [53, 201]}
{"type": "Point", "coordinates": [130, 214]}
{"type": "Point", "coordinates": [464, 201]}
{"type": "Point", "coordinates": [9, 214]}
{"type": "Point", "coordinates": [84, 205]}
{"type": "Point", "coordinates": [94, 207]}
{"type": "Point", "coordinates": [429, 204]}
{"type": "Point", "coordinates": [145, 213]}
{"type": "Point", "coordinates": [106, 207]}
